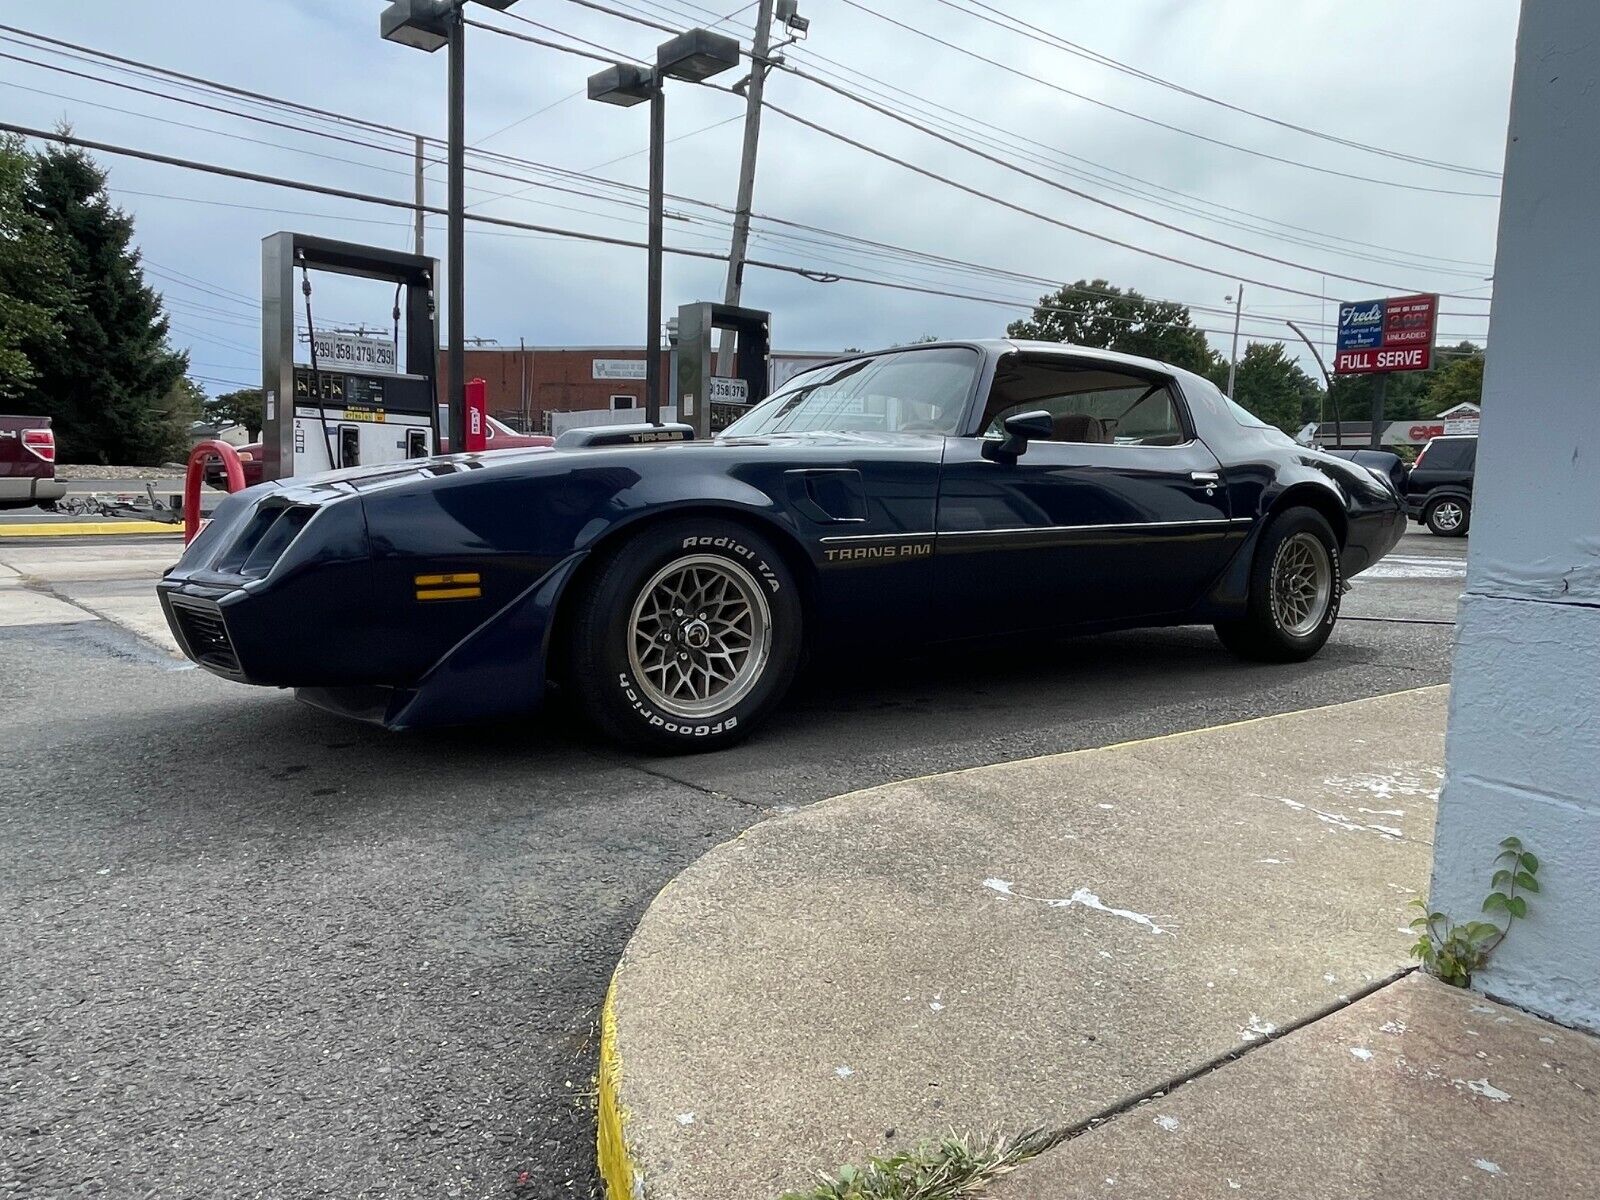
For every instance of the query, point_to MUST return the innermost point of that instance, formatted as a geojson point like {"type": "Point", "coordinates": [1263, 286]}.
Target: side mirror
{"type": "Point", "coordinates": [1020, 430]}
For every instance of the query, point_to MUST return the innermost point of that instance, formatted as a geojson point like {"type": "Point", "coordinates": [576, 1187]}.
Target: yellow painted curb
{"type": "Point", "coordinates": [622, 1178]}
{"type": "Point", "coordinates": [90, 529]}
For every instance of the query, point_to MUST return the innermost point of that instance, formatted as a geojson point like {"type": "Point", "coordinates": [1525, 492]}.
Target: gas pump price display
{"type": "Point", "coordinates": [1392, 334]}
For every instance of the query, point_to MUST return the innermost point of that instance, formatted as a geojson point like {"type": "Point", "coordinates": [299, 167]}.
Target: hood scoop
{"type": "Point", "coordinates": [623, 435]}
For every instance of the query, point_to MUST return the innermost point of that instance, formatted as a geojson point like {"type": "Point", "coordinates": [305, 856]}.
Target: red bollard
{"type": "Point", "coordinates": [195, 476]}
{"type": "Point", "coordinates": [476, 434]}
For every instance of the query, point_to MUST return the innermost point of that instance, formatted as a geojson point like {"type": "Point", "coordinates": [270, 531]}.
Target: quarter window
{"type": "Point", "coordinates": [1086, 404]}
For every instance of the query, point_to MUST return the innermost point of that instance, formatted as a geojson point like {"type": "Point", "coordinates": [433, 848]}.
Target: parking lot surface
{"type": "Point", "coordinates": [253, 950]}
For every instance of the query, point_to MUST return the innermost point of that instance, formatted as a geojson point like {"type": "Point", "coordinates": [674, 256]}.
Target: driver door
{"type": "Point", "coordinates": [1122, 515]}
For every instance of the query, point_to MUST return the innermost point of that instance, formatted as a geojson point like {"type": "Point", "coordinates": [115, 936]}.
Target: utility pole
{"type": "Point", "coordinates": [456, 236]}
{"type": "Point", "coordinates": [420, 196]}
{"type": "Point", "coordinates": [747, 173]}
{"type": "Point", "coordinates": [1379, 388]}
{"type": "Point", "coordinates": [1233, 359]}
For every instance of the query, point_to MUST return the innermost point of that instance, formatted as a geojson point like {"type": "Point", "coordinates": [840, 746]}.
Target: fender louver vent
{"type": "Point", "coordinates": [264, 539]}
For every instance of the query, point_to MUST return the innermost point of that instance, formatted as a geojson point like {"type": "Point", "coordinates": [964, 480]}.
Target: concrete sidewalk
{"type": "Point", "coordinates": [1011, 947]}
{"type": "Point", "coordinates": [1419, 1091]}
{"type": "Point", "coordinates": [68, 584]}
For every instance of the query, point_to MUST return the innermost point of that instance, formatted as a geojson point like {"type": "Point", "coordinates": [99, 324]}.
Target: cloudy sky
{"type": "Point", "coordinates": [1428, 79]}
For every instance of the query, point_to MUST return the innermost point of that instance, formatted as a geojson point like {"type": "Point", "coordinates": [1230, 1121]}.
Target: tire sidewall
{"type": "Point", "coordinates": [624, 705]}
{"type": "Point", "coordinates": [1297, 520]}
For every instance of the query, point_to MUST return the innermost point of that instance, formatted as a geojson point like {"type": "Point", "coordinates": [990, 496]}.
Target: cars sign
{"type": "Point", "coordinates": [1395, 334]}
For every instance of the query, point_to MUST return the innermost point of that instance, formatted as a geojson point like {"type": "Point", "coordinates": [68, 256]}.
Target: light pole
{"type": "Point", "coordinates": [1233, 358]}
{"type": "Point", "coordinates": [693, 55]}
{"type": "Point", "coordinates": [427, 25]}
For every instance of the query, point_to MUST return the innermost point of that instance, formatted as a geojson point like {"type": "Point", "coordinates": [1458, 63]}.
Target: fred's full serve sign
{"type": "Point", "coordinates": [1395, 334]}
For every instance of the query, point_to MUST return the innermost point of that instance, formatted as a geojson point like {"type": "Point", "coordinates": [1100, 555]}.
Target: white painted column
{"type": "Point", "coordinates": [1523, 754]}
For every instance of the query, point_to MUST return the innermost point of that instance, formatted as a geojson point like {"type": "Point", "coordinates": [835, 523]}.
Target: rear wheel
{"type": "Point", "coordinates": [1448, 517]}
{"type": "Point", "coordinates": [688, 635]}
{"type": "Point", "coordinates": [1295, 586]}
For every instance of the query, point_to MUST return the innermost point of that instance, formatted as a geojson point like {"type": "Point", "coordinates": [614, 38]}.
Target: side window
{"type": "Point", "coordinates": [1087, 405]}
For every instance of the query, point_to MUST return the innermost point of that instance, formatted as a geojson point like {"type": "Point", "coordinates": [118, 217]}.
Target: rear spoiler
{"type": "Point", "coordinates": [624, 435]}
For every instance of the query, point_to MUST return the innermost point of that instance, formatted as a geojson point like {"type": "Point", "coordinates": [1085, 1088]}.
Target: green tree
{"type": "Point", "coordinates": [1093, 313]}
{"type": "Point", "coordinates": [243, 407]}
{"type": "Point", "coordinates": [1458, 380]}
{"type": "Point", "coordinates": [33, 288]}
{"type": "Point", "coordinates": [1272, 385]}
{"type": "Point", "coordinates": [108, 380]}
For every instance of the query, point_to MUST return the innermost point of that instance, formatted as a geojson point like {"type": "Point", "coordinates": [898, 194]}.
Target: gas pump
{"type": "Point", "coordinates": [707, 401]}
{"type": "Point", "coordinates": [356, 401]}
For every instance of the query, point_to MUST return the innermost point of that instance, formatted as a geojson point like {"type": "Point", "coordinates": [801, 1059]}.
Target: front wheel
{"type": "Point", "coordinates": [688, 635]}
{"type": "Point", "coordinates": [1447, 518]}
{"type": "Point", "coordinates": [1295, 586]}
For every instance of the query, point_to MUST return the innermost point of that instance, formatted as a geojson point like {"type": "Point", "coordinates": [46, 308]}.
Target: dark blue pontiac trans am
{"type": "Point", "coordinates": [906, 497]}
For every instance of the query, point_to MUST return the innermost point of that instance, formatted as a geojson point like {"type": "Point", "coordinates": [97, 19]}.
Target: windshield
{"type": "Point", "coordinates": [911, 391]}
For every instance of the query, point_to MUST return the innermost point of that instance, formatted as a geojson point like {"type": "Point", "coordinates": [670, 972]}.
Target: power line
{"type": "Point", "coordinates": [1230, 276]}
{"type": "Point", "coordinates": [993, 132]}
{"type": "Point", "coordinates": [347, 194]}
{"type": "Point", "coordinates": [1047, 38]}
{"type": "Point", "coordinates": [348, 118]}
{"type": "Point", "coordinates": [1137, 116]}
{"type": "Point", "coordinates": [496, 157]}
{"type": "Point", "coordinates": [996, 160]}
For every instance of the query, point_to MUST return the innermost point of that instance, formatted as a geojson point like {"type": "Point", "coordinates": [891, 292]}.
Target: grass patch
{"type": "Point", "coordinates": [947, 1169]}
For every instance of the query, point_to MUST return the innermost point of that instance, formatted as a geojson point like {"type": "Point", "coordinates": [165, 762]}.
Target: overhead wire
{"type": "Point", "coordinates": [1098, 103]}
{"type": "Point", "coordinates": [1048, 38]}
{"type": "Point", "coordinates": [343, 118]}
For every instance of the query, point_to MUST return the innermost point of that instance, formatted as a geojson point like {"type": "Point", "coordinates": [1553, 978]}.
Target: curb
{"type": "Point", "coordinates": [622, 1179]}
{"type": "Point", "coordinates": [91, 529]}
{"type": "Point", "coordinates": [620, 1173]}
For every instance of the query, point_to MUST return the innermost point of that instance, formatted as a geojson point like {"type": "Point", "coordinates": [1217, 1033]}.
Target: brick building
{"type": "Point", "coordinates": [557, 379]}
{"type": "Point", "coordinates": [578, 378]}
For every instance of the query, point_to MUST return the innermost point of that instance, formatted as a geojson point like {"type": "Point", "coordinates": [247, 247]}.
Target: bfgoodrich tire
{"type": "Point", "coordinates": [1295, 587]}
{"type": "Point", "coordinates": [1448, 517]}
{"type": "Point", "coordinates": [687, 637]}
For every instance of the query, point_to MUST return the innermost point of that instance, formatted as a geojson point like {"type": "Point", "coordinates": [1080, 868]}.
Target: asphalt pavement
{"type": "Point", "coordinates": [252, 949]}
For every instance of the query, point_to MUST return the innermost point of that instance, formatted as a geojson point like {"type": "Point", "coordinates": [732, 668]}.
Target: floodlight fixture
{"type": "Point", "coordinates": [696, 55]}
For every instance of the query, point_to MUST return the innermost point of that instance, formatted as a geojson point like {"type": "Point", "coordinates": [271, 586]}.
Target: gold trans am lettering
{"type": "Point", "coordinates": [890, 550]}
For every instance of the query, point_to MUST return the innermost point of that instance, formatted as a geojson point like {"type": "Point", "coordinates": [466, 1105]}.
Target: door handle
{"type": "Point", "coordinates": [1206, 479]}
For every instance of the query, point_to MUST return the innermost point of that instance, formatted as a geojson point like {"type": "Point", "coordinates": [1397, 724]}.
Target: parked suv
{"type": "Point", "coordinates": [1439, 488]}
{"type": "Point", "coordinates": [28, 463]}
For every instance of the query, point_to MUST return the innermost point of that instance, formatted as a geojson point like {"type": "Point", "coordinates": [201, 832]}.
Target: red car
{"type": "Point", "coordinates": [28, 463]}
{"type": "Point", "coordinates": [501, 437]}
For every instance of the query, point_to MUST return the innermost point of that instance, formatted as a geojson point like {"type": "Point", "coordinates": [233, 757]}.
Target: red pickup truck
{"type": "Point", "coordinates": [28, 463]}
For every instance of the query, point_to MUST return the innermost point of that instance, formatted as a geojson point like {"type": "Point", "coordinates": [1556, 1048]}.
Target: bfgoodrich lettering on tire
{"type": "Point", "coordinates": [1295, 585]}
{"type": "Point", "coordinates": [687, 635]}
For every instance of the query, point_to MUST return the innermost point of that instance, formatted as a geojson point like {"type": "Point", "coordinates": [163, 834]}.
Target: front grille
{"type": "Point", "coordinates": [206, 635]}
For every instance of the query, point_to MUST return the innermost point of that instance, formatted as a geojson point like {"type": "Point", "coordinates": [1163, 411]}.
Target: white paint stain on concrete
{"type": "Point", "coordinates": [1483, 1164]}
{"type": "Point", "coordinates": [1081, 898]}
{"type": "Point", "coordinates": [1255, 1028]}
{"type": "Point", "coordinates": [1170, 1124]}
{"type": "Point", "coordinates": [843, 1072]}
{"type": "Point", "coordinates": [686, 1118]}
{"type": "Point", "coordinates": [1340, 821]}
{"type": "Point", "coordinates": [1361, 1052]}
{"type": "Point", "coordinates": [1277, 862]}
{"type": "Point", "coordinates": [1482, 1087]}
{"type": "Point", "coordinates": [1394, 1027]}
